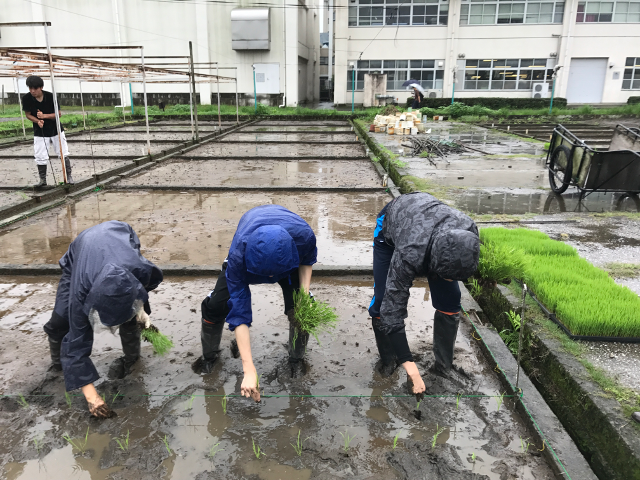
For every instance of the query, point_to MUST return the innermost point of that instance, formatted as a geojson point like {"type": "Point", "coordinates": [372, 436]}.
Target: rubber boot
{"type": "Point", "coordinates": [54, 347]}
{"type": "Point", "coordinates": [445, 330]}
{"type": "Point", "coordinates": [67, 165]}
{"type": "Point", "coordinates": [42, 174]}
{"type": "Point", "coordinates": [210, 336]}
{"type": "Point", "coordinates": [130, 339]}
{"type": "Point", "coordinates": [387, 363]}
{"type": "Point", "coordinates": [298, 341]}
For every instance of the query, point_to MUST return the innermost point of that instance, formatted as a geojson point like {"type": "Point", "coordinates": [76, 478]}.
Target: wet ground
{"type": "Point", "coordinates": [163, 400]}
{"type": "Point", "coordinates": [218, 150]}
{"type": "Point", "coordinates": [20, 172]}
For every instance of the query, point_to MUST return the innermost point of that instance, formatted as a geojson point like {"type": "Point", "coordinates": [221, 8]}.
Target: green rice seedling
{"type": "Point", "coordinates": [37, 442]}
{"type": "Point", "coordinates": [257, 451]}
{"type": "Point", "coordinates": [258, 380]}
{"type": "Point", "coordinates": [500, 263]}
{"type": "Point", "coordinates": [166, 444]}
{"type": "Point", "coordinates": [476, 288]}
{"type": "Point", "coordinates": [395, 439]}
{"type": "Point", "coordinates": [213, 450]}
{"type": "Point", "coordinates": [299, 445]}
{"type": "Point", "coordinates": [68, 398]}
{"type": "Point", "coordinates": [457, 401]}
{"type": "Point", "coordinates": [439, 430]}
{"type": "Point", "coordinates": [189, 404]}
{"type": "Point", "coordinates": [114, 397]}
{"type": "Point", "coordinates": [500, 400]}
{"type": "Point", "coordinates": [524, 444]}
{"type": "Point", "coordinates": [473, 457]}
{"type": "Point", "coordinates": [347, 440]}
{"type": "Point", "coordinates": [312, 316]}
{"type": "Point", "coordinates": [511, 337]}
{"type": "Point", "coordinates": [161, 343]}
{"type": "Point", "coordinates": [223, 401]}
{"type": "Point", "coordinates": [418, 405]}
{"type": "Point", "coordinates": [22, 401]}
{"type": "Point", "coordinates": [123, 443]}
{"type": "Point", "coordinates": [81, 446]}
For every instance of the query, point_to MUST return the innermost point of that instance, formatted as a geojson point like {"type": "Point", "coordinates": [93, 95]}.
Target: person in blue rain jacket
{"type": "Point", "coordinates": [104, 284]}
{"type": "Point", "coordinates": [271, 244]}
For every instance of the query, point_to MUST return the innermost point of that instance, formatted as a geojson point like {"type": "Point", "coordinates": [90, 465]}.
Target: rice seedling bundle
{"type": "Point", "coordinates": [500, 262]}
{"type": "Point", "coordinates": [583, 297]}
{"type": "Point", "coordinates": [312, 316]}
{"type": "Point", "coordinates": [161, 343]}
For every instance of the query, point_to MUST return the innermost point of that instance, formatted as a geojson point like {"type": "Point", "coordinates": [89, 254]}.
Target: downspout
{"type": "Point", "coordinates": [284, 37]}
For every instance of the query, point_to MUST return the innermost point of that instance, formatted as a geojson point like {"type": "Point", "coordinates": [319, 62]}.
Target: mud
{"type": "Point", "coordinates": [306, 123]}
{"type": "Point", "coordinates": [23, 172]}
{"type": "Point", "coordinates": [298, 128]}
{"type": "Point", "coordinates": [290, 137]}
{"type": "Point", "coordinates": [85, 149]}
{"type": "Point", "coordinates": [278, 150]}
{"type": "Point", "coordinates": [201, 173]}
{"type": "Point", "coordinates": [159, 127]}
{"type": "Point", "coordinates": [10, 198]}
{"type": "Point", "coordinates": [155, 403]}
{"type": "Point", "coordinates": [140, 136]}
{"type": "Point", "coordinates": [196, 228]}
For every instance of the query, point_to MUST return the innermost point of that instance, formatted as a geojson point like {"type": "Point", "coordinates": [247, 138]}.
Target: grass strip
{"type": "Point", "coordinates": [585, 298]}
{"type": "Point", "coordinates": [161, 343]}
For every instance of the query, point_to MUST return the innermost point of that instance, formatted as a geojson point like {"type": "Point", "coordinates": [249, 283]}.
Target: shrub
{"type": "Point", "coordinates": [633, 100]}
{"type": "Point", "coordinates": [494, 103]}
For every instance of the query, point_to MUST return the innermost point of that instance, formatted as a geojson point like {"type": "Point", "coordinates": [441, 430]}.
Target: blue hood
{"type": "Point", "coordinates": [271, 251]}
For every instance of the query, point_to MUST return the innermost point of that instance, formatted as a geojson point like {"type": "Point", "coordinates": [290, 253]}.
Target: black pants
{"type": "Point", "coordinates": [215, 307]}
{"type": "Point", "coordinates": [415, 104]}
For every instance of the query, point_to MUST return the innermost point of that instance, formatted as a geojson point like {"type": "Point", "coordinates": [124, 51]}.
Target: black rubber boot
{"type": "Point", "coordinates": [67, 165]}
{"type": "Point", "coordinates": [210, 336]}
{"type": "Point", "coordinates": [54, 347]}
{"type": "Point", "coordinates": [42, 174]}
{"type": "Point", "coordinates": [387, 363]}
{"type": "Point", "coordinates": [445, 330]}
{"type": "Point", "coordinates": [130, 338]}
{"type": "Point", "coordinates": [297, 344]}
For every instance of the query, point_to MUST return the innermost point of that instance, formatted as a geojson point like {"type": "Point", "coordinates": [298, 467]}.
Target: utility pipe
{"type": "Point", "coordinates": [255, 95]}
{"type": "Point", "coordinates": [193, 86]}
{"type": "Point", "coordinates": [353, 87]}
{"type": "Point", "coordinates": [284, 42]}
{"type": "Point", "coordinates": [84, 122]}
{"type": "Point", "coordinates": [193, 134]}
{"type": "Point", "coordinates": [218, 83]}
{"type": "Point", "coordinates": [146, 110]}
{"type": "Point", "coordinates": [124, 118]}
{"type": "Point", "coordinates": [56, 111]}
{"type": "Point", "coordinates": [131, 98]}
{"type": "Point", "coordinates": [237, 109]}
{"type": "Point", "coordinates": [24, 132]}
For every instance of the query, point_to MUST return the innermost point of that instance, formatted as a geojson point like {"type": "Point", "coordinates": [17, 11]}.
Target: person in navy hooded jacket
{"type": "Point", "coordinates": [104, 285]}
{"type": "Point", "coordinates": [270, 245]}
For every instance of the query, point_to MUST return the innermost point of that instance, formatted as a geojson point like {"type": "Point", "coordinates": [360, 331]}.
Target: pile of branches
{"type": "Point", "coordinates": [436, 148]}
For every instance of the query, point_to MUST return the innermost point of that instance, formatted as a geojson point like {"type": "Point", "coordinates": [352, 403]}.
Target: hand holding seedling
{"type": "Point", "coordinates": [97, 406]}
{"type": "Point", "coordinates": [249, 387]}
{"type": "Point", "coordinates": [413, 373]}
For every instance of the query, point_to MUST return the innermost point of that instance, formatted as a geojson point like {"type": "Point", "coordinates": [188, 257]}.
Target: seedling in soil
{"type": "Point", "coordinates": [161, 343]}
{"type": "Point", "coordinates": [22, 401]}
{"type": "Point", "coordinates": [166, 444]}
{"type": "Point", "coordinates": [258, 381]}
{"type": "Point", "coordinates": [256, 450]}
{"type": "Point", "coordinates": [439, 430]}
{"type": "Point", "coordinates": [524, 444]}
{"type": "Point", "coordinates": [500, 400]}
{"type": "Point", "coordinates": [213, 450]}
{"type": "Point", "coordinates": [190, 403]}
{"type": "Point", "coordinates": [476, 288]}
{"type": "Point", "coordinates": [347, 440]}
{"type": "Point", "coordinates": [38, 443]}
{"type": "Point", "coordinates": [312, 316]}
{"type": "Point", "coordinates": [68, 398]}
{"type": "Point", "coordinates": [473, 457]}
{"type": "Point", "coordinates": [395, 439]}
{"type": "Point", "coordinates": [298, 446]}
{"type": "Point", "coordinates": [457, 401]}
{"type": "Point", "coordinates": [114, 397]}
{"type": "Point", "coordinates": [123, 443]}
{"type": "Point", "coordinates": [223, 401]}
{"type": "Point", "coordinates": [81, 446]}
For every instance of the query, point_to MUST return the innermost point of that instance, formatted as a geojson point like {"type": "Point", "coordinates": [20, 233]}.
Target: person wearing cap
{"type": "Point", "coordinates": [418, 235]}
{"type": "Point", "coordinates": [271, 245]}
{"type": "Point", "coordinates": [104, 286]}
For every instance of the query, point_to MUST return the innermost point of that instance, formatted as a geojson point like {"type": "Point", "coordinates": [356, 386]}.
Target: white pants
{"type": "Point", "coordinates": [41, 147]}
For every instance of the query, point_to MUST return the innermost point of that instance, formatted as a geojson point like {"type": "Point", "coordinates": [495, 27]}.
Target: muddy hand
{"type": "Point", "coordinates": [418, 386]}
{"type": "Point", "coordinates": [101, 410]}
{"type": "Point", "coordinates": [249, 387]}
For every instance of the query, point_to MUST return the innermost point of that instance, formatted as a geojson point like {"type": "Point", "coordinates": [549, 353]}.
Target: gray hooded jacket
{"type": "Point", "coordinates": [429, 237]}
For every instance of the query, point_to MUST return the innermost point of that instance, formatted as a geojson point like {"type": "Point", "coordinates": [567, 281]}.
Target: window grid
{"type": "Point", "coordinates": [605, 12]}
{"type": "Point", "coordinates": [505, 74]}
{"type": "Point", "coordinates": [493, 12]}
{"type": "Point", "coordinates": [375, 13]}
{"type": "Point", "coordinates": [425, 72]}
{"type": "Point", "coordinates": [631, 79]}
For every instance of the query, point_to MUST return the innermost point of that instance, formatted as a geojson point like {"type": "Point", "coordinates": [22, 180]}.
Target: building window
{"type": "Point", "coordinates": [492, 12]}
{"type": "Point", "coordinates": [372, 13]}
{"type": "Point", "coordinates": [618, 12]}
{"type": "Point", "coordinates": [631, 79]}
{"type": "Point", "coordinates": [324, 60]}
{"type": "Point", "coordinates": [429, 73]}
{"type": "Point", "coordinates": [507, 74]}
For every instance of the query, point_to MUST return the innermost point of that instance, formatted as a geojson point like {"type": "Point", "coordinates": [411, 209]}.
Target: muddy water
{"type": "Point", "coordinates": [23, 172]}
{"type": "Point", "coordinates": [297, 128]}
{"type": "Point", "coordinates": [155, 403]}
{"type": "Point", "coordinates": [290, 137]}
{"type": "Point", "coordinates": [196, 228]}
{"type": "Point", "coordinates": [141, 135]}
{"type": "Point", "coordinates": [85, 149]}
{"type": "Point", "coordinates": [278, 150]}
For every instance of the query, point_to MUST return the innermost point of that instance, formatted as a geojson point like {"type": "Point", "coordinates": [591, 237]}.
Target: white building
{"type": "Point", "coordinates": [287, 62]}
{"type": "Point", "coordinates": [490, 47]}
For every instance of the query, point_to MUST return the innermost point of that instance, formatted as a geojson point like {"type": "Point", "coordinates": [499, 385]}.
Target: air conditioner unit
{"type": "Point", "coordinates": [540, 90]}
{"type": "Point", "coordinates": [434, 93]}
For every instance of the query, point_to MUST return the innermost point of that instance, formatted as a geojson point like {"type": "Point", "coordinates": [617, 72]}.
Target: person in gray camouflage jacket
{"type": "Point", "coordinates": [417, 235]}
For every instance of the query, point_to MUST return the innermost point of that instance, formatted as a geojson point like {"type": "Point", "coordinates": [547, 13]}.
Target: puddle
{"type": "Point", "coordinates": [277, 150]}
{"type": "Point", "coordinates": [494, 203]}
{"type": "Point", "coordinates": [154, 402]}
{"type": "Point", "coordinates": [202, 173]}
{"type": "Point", "coordinates": [196, 228]}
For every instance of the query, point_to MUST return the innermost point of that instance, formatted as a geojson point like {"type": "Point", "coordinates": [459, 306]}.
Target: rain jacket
{"type": "Point", "coordinates": [269, 244]}
{"type": "Point", "coordinates": [429, 238]}
{"type": "Point", "coordinates": [102, 270]}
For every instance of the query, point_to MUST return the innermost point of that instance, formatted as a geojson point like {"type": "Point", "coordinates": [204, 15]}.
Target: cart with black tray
{"type": "Point", "coordinates": [571, 162]}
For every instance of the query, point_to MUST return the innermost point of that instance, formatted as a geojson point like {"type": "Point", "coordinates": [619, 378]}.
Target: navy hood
{"type": "Point", "coordinates": [271, 251]}
{"type": "Point", "coordinates": [454, 254]}
{"type": "Point", "coordinates": [112, 295]}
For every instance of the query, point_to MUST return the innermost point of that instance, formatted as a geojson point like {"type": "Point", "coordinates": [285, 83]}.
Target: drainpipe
{"type": "Point", "coordinates": [284, 42]}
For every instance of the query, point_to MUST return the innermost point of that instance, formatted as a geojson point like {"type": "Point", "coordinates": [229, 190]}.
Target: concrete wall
{"type": "Point", "coordinates": [165, 28]}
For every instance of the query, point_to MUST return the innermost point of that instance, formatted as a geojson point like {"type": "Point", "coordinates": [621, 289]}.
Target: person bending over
{"type": "Point", "coordinates": [271, 244]}
{"type": "Point", "coordinates": [416, 234]}
{"type": "Point", "coordinates": [104, 284]}
{"type": "Point", "coordinates": [39, 108]}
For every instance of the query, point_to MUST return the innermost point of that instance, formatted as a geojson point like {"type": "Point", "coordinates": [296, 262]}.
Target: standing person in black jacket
{"type": "Point", "coordinates": [416, 234]}
{"type": "Point", "coordinates": [39, 108]}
